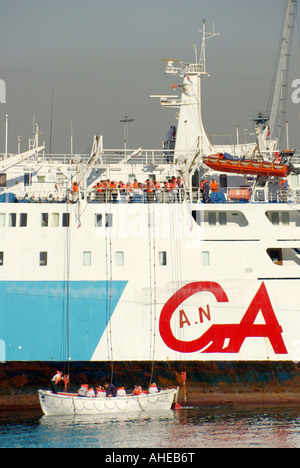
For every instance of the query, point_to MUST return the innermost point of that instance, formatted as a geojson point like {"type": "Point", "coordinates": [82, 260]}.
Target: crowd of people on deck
{"type": "Point", "coordinates": [136, 192]}
{"type": "Point", "coordinates": [150, 191]}
{"type": "Point", "coordinates": [153, 191]}
{"type": "Point", "coordinates": [110, 390]}
{"type": "Point", "coordinates": [107, 390]}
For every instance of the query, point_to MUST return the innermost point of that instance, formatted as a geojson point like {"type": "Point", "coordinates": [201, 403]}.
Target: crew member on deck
{"type": "Point", "coordinates": [137, 390]}
{"type": "Point", "coordinates": [55, 381]}
{"type": "Point", "coordinates": [284, 184]}
{"type": "Point", "coordinates": [110, 389]}
{"type": "Point", "coordinates": [214, 185]}
{"type": "Point", "coordinates": [153, 388]}
{"type": "Point", "coordinates": [83, 390]}
{"type": "Point", "coordinates": [204, 189]}
{"type": "Point", "coordinates": [284, 189]}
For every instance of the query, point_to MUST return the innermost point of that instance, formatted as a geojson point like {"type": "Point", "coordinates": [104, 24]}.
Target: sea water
{"type": "Point", "coordinates": [185, 429]}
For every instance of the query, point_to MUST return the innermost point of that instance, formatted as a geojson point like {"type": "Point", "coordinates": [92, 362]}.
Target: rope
{"type": "Point", "coordinates": [108, 256]}
{"type": "Point", "coordinates": [153, 298]}
{"type": "Point", "coordinates": [176, 252]}
{"type": "Point", "coordinates": [67, 284]}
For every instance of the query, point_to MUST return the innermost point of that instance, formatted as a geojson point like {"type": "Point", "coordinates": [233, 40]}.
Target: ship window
{"type": "Point", "coordinates": [66, 220]}
{"type": "Point", "coordinates": [23, 219]}
{"type": "Point", "coordinates": [212, 218]}
{"type": "Point", "coordinates": [87, 258]}
{"type": "Point", "coordinates": [45, 219]}
{"type": "Point", "coordinates": [284, 218]}
{"type": "Point", "coordinates": [286, 257]}
{"type": "Point", "coordinates": [2, 219]}
{"type": "Point", "coordinates": [205, 258]}
{"type": "Point", "coordinates": [98, 219]}
{"type": "Point", "coordinates": [162, 258]}
{"type": "Point", "coordinates": [2, 180]}
{"type": "Point", "coordinates": [1, 258]}
{"type": "Point", "coordinates": [43, 258]}
{"type": "Point", "coordinates": [12, 219]}
{"type": "Point", "coordinates": [55, 220]}
{"type": "Point", "coordinates": [119, 258]}
{"type": "Point", "coordinates": [27, 178]}
{"type": "Point", "coordinates": [275, 218]}
{"type": "Point", "coordinates": [108, 220]}
{"type": "Point", "coordinates": [222, 218]}
{"type": "Point", "coordinates": [198, 216]}
{"type": "Point", "coordinates": [275, 255]}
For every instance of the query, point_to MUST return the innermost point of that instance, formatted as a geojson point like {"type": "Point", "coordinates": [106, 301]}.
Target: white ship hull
{"type": "Point", "coordinates": [160, 284]}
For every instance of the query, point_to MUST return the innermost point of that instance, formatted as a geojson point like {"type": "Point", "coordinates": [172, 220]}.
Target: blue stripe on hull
{"type": "Point", "coordinates": [33, 318]}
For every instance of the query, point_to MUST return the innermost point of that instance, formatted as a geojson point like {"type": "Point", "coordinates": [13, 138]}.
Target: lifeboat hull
{"type": "Point", "coordinates": [251, 167]}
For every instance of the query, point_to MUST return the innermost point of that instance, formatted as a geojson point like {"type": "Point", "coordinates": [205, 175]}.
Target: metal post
{"type": "Point", "coordinates": [126, 121]}
{"type": "Point", "coordinates": [6, 136]}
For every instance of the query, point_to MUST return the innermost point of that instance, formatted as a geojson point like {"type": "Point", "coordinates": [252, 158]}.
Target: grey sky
{"type": "Point", "coordinates": [103, 60]}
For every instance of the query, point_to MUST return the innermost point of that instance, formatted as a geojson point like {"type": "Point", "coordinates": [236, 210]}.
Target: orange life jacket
{"type": "Point", "coordinates": [202, 184]}
{"type": "Point", "coordinates": [59, 377]}
{"type": "Point", "coordinates": [75, 186]}
{"type": "Point", "coordinates": [98, 187]}
{"type": "Point", "coordinates": [283, 184]}
{"type": "Point", "coordinates": [149, 186]}
{"type": "Point", "coordinates": [213, 186]}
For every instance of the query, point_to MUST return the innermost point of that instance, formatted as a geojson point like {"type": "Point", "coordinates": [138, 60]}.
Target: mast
{"type": "Point", "coordinates": [51, 119]}
{"type": "Point", "coordinates": [191, 138]}
{"type": "Point", "coordinates": [278, 109]}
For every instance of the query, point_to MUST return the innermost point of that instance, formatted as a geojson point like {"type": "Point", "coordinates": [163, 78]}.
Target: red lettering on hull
{"type": "Point", "coordinates": [213, 340]}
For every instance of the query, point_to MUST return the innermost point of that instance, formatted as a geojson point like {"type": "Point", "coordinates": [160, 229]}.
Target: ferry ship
{"type": "Point", "coordinates": [120, 265]}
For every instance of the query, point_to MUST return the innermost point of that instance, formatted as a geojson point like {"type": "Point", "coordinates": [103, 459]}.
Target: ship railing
{"type": "Point", "coordinates": [288, 196]}
{"type": "Point", "coordinates": [109, 156]}
{"type": "Point", "coordinates": [177, 195]}
{"type": "Point", "coordinates": [161, 195]}
{"type": "Point", "coordinates": [117, 156]}
{"type": "Point", "coordinates": [277, 196]}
